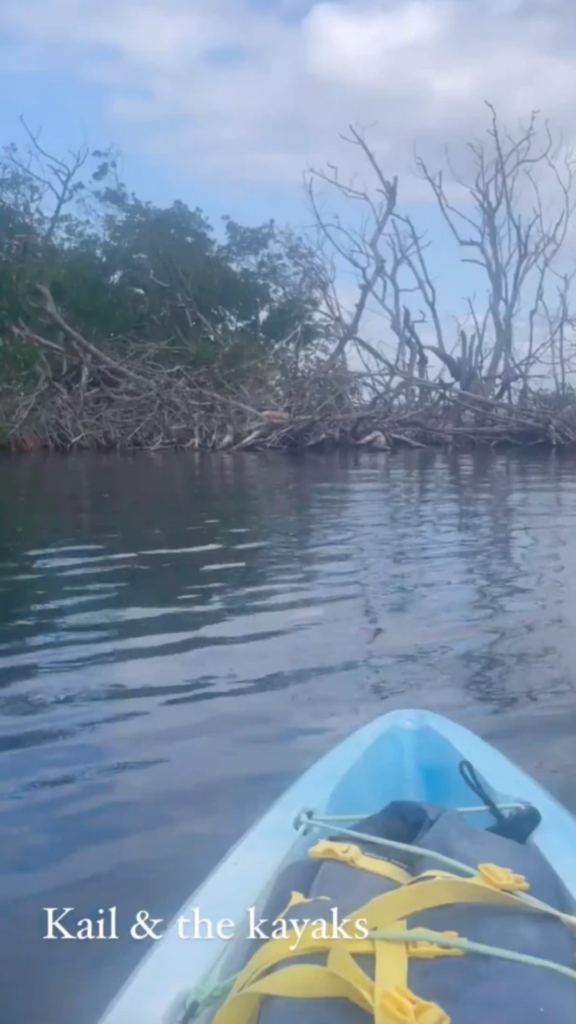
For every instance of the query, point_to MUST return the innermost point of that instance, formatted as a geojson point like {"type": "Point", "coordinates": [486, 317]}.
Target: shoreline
{"type": "Point", "coordinates": [224, 429]}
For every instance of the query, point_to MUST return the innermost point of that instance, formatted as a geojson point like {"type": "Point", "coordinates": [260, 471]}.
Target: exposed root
{"type": "Point", "coordinates": [173, 411]}
{"type": "Point", "coordinates": [131, 401]}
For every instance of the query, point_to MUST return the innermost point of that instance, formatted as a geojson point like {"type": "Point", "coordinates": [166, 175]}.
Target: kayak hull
{"type": "Point", "coordinates": [403, 755]}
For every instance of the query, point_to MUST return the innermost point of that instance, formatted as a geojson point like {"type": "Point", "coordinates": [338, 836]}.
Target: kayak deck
{"type": "Point", "coordinates": [406, 755]}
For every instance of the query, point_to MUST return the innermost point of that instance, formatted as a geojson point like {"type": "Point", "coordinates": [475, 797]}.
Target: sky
{"type": "Point", "coordinates": [224, 103]}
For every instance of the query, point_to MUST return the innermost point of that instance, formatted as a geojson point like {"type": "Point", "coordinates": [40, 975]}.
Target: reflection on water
{"type": "Point", "coordinates": [180, 636]}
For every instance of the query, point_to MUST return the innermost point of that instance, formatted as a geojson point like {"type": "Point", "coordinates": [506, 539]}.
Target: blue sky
{"type": "Point", "coordinates": [223, 103]}
{"type": "Point", "coordinates": [72, 114]}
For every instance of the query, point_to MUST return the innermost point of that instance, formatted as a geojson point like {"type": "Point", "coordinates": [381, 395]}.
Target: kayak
{"type": "Point", "coordinates": [410, 755]}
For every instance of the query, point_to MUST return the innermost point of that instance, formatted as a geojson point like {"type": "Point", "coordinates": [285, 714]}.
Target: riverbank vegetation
{"type": "Point", "coordinates": [129, 325]}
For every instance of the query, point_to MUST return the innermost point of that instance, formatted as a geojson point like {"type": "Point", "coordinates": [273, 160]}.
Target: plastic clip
{"type": "Point", "coordinates": [427, 950]}
{"type": "Point", "coordinates": [403, 1007]}
{"type": "Point", "coordinates": [347, 853]}
{"type": "Point", "coordinates": [502, 878]}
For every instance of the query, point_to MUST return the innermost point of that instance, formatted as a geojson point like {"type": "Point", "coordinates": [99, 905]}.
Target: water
{"type": "Point", "coordinates": [181, 635]}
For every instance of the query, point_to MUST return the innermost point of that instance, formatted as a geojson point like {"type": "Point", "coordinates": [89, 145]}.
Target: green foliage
{"type": "Point", "coordinates": [122, 269]}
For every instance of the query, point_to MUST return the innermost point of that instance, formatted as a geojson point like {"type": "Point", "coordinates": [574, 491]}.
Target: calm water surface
{"type": "Point", "coordinates": [181, 636]}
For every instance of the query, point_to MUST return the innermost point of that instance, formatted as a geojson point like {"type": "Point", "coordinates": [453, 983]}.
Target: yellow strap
{"type": "Point", "coordinates": [386, 998]}
{"type": "Point", "coordinates": [390, 971]}
{"type": "Point", "coordinates": [493, 877]}
{"type": "Point", "coordinates": [345, 979]}
{"type": "Point", "coordinates": [441, 892]}
{"type": "Point", "coordinates": [304, 982]}
{"type": "Point", "coordinates": [296, 898]}
{"type": "Point", "coordinates": [348, 853]}
{"type": "Point", "coordinates": [383, 912]}
{"type": "Point", "coordinates": [277, 950]}
{"type": "Point", "coordinates": [340, 962]}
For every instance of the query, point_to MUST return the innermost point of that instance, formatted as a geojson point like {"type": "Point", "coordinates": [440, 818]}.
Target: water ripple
{"type": "Point", "coordinates": [147, 709]}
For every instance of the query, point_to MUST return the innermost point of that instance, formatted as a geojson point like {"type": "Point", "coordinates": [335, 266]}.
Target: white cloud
{"type": "Point", "coordinates": [226, 88]}
{"type": "Point", "coordinates": [361, 44]}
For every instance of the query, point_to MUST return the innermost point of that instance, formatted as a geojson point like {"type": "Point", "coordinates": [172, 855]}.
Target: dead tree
{"type": "Point", "coordinates": [56, 179]}
{"type": "Point", "coordinates": [503, 226]}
